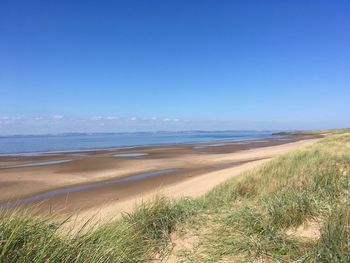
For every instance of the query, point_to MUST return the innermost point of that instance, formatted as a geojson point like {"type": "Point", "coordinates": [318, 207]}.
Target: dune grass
{"type": "Point", "coordinates": [261, 207]}
{"type": "Point", "coordinates": [137, 237]}
{"type": "Point", "coordinates": [256, 216]}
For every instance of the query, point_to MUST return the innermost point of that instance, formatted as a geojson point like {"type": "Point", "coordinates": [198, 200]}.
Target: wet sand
{"type": "Point", "coordinates": [113, 180]}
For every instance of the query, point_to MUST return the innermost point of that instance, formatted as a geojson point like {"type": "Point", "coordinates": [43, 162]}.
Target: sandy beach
{"type": "Point", "coordinates": [110, 181]}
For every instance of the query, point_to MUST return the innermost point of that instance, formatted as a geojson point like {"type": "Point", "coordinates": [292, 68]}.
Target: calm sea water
{"type": "Point", "coordinates": [71, 142]}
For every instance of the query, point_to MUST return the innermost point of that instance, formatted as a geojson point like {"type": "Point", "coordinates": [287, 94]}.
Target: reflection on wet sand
{"type": "Point", "coordinates": [73, 189]}
{"type": "Point", "coordinates": [35, 164]}
{"type": "Point", "coordinates": [129, 154]}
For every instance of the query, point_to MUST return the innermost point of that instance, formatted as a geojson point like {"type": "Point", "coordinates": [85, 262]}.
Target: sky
{"type": "Point", "coordinates": [75, 66]}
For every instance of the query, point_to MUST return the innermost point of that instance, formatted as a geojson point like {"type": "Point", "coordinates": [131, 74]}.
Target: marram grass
{"type": "Point", "coordinates": [263, 207]}
{"type": "Point", "coordinates": [137, 237]}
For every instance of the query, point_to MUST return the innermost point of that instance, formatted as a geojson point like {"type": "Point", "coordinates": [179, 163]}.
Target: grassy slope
{"type": "Point", "coordinates": [244, 219]}
{"type": "Point", "coordinates": [249, 218]}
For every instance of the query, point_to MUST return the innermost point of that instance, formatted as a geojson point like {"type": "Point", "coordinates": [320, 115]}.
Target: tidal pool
{"type": "Point", "coordinates": [209, 145]}
{"type": "Point", "coordinates": [78, 188]}
{"type": "Point", "coordinates": [35, 164]}
{"type": "Point", "coordinates": [129, 154]}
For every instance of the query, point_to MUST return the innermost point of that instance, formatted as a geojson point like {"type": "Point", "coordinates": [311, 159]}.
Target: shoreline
{"type": "Point", "coordinates": [34, 155]}
{"type": "Point", "coordinates": [133, 144]}
{"type": "Point", "coordinates": [187, 161]}
{"type": "Point", "coordinates": [126, 147]}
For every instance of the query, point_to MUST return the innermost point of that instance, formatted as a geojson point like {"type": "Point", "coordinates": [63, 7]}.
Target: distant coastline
{"type": "Point", "coordinates": [312, 132]}
{"type": "Point", "coordinates": [136, 132]}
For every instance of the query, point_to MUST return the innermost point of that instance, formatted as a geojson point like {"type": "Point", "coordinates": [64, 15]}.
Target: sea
{"type": "Point", "coordinates": [31, 144]}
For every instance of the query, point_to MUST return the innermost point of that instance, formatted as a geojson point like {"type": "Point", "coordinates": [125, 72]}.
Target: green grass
{"type": "Point", "coordinates": [253, 221]}
{"type": "Point", "coordinates": [137, 237]}
{"type": "Point", "coordinates": [247, 218]}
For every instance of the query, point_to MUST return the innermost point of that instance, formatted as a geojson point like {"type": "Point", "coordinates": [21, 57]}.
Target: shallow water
{"type": "Point", "coordinates": [73, 189]}
{"type": "Point", "coordinates": [71, 142]}
{"type": "Point", "coordinates": [209, 145]}
{"type": "Point", "coordinates": [224, 165]}
{"type": "Point", "coordinates": [35, 164]}
{"type": "Point", "coordinates": [129, 154]}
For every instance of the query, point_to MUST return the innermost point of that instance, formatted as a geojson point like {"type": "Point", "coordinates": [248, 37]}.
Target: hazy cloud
{"type": "Point", "coordinates": [57, 117]}
{"type": "Point", "coordinates": [58, 123]}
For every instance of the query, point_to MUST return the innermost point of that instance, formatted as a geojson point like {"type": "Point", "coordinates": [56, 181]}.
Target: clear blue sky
{"type": "Point", "coordinates": [140, 65]}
